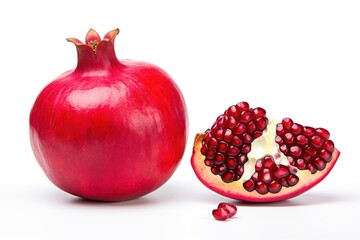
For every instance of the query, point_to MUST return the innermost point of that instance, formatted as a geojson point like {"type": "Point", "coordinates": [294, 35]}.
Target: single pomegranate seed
{"type": "Point", "coordinates": [292, 180]}
{"type": "Point", "coordinates": [261, 123]}
{"type": "Point", "coordinates": [230, 207]}
{"type": "Point", "coordinates": [274, 187]}
{"type": "Point", "coordinates": [309, 131]}
{"type": "Point", "coordinates": [296, 129]}
{"type": "Point", "coordinates": [232, 111]}
{"type": "Point", "coordinates": [329, 145]}
{"type": "Point", "coordinates": [228, 135]}
{"type": "Point", "coordinates": [287, 123]}
{"type": "Point", "coordinates": [281, 172]}
{"type": "Point", "coordinates": [245, 116]}
{"type": "Point", "coordinates": [219, 158]}
{"type": "Point", "coordinates": [249, 185]}
{"type": "Point", "coordinates": [231, 163]}
{"type": "Point", "coordinates": [236, 141]}
{"type": "Point", "coordinates": [261, 188]}
{"type": "Point", "coordinates": [259, 112]}
{"type": "Point", "coordinates": [270, 177]}
{"type": "Point", "coordinates": [228, 176]}
{"type": "Point", "coordinates": [323, 132]}
{"type": "Point", "coordinates": [221, 214]}
{"type": "Point", "coordinates": [241, 106]}
{"type": "Point", "coordinates": [306, 147]}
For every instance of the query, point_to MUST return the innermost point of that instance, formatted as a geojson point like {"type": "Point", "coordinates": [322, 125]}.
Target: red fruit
{"type": "Point", "coordinates": [109, 130]}
{"type": "Point", "coordinates": [221, 214]}
{"type": "Point", "coordinates": [261, 160]}
{"type": "Point", "coordinates": [230, 207]}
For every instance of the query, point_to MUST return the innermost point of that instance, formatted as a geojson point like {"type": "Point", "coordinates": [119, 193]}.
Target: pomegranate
{"type": "Point", "coordinates": [109, 130]}
{"type": "Point", "coordinates": [247, 156]}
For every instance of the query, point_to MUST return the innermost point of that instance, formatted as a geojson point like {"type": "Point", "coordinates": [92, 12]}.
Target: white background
{"type": "Point", "coordinates": [299, 59]}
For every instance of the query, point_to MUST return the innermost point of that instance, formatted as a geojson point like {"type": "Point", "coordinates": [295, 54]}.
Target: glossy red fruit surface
{"type": "Point", "coordinates": [247, 156]}
{"type": "Point", "coordinates": [110, 129]}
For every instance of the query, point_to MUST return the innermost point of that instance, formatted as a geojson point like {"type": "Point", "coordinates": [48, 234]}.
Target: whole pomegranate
{"type": "Point", "coordinates": [109, 130]}
{"type": "Point", "coordinates": [247, 156]}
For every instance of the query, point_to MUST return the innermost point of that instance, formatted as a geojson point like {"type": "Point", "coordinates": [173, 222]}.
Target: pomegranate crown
{"type": "Point", "coordinates": [92, 39]}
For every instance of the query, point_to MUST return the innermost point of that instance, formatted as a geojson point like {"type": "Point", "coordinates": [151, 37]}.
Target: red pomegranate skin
{"type": "Point", "coordinates": [109, 130]}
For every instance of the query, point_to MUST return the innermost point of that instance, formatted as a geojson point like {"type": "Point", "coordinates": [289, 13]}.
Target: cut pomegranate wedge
{"type": "Point", "coordinates": [248, 157]}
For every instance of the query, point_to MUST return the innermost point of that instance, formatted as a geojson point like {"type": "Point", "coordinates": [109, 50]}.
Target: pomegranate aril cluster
{"type": "Point", "coordinates": [305, 147]}
{"type": "Point", "coordinates": [270, 177]}
{"type": "Point", "coordinates": [224, 211]}
{"type": "Point", "coordinates": [227, 143]}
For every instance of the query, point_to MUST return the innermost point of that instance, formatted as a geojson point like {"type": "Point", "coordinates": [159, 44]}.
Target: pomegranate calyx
{"type": "Point", "coordinates": [96, 53]}
{"type": "Point", "coordinates": [93, 39]}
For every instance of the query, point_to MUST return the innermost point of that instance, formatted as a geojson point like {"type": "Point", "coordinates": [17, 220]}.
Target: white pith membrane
{"type": "Point", "coordinates": [264, 145]}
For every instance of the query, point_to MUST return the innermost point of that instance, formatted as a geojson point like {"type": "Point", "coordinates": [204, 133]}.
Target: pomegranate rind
{"type": "Point", "coordinates": [235, 190]}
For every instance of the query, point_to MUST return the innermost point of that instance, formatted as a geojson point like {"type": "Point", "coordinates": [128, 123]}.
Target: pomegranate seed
{"type": "Point", "coordinates": [228, 135]}
{"type": "Point", "coordinates": [289, 138]}
{"type": "Point", "coordinates": [230, 207]}
{"type": "Point", "coordinates": [232, 111]}
{"type": "Point", "coordinates": [326, 155]}
{"type": "Point", "coordinates": [301, 140]}
{"type": "Point", "coordinates": [240, 129]}
{"type": "Point", "coordinates": [218, 133]}
{"type": "Point", "coordinates": [246, 148]}
{"type": "Point", "coordinates": [247, 138]}
{"type": "Point", "coordinates": [236, 141]}
{"type": "Point", "coordinates": [212, 143]}
{"type": "Point", "coordinates": [261, 123]}
{"type": "Point", "coordinates": [231, 163]}
{"type": "Point", "coordinates": [292, 180]}
{"type": "Point", "coordinates": [274, 187]}
{"type": "Point", "coordinates": [320, 164]}
{"type": "Point", "coordinates": [242, 106]}
{"type": "Point", "coordinates": [240, 170]}
{"type": "Point", "coordinates": [317, 141]}
{"type": "Point", "coordinates": [329, 145]}
{"type": "Point", "coordinates": [245, 116]}
{"type": "Point", "coordinates": [287, 123]}
{"type": "Point", "coordinates": [210, 154]}
{"type": "Point", "coordinates": [278, 140]}
{"type": "Point", "coordinates": [208, 162]}
{"type": "Point", "coordinates": [323, 132]}
{"type": "Point", "coordinates": [219, 158]}
{"type": "Point", "coordinates": [228, 176]}
{"type": "Point", "coordinates": [281, 172]}
{"type": "Point", "coordinates": [249, 185]}
{"type": "Point", "coordinates": [259, 112]}
{"type": "Point", "coordinates": [280, 129]}
{"type": "Point", "coordinates": [231, 122]}
{"type": "Point", "coordinates": [255, 177]}
{"type": "Point", "coordinates": [251, 127]}
{"type": "Point", "coordinates": [233, 151]}
{"type": "Point", "coordinates": [296, 129]}
{"type": "Point", "coordinates": [221, 214]}
{"type": "Point", "coordinates": [242, 159]}
{"type": "Point", "coordinates": [309, 131]}
{"type": "Point", "coordinates": [295, 151]}
{"type": "Point", "coordinates": [261, 188]}
{"type": "Point", "coordinates": [222, 147]}
{"type": "Point", "coordinates": [266, 176]}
